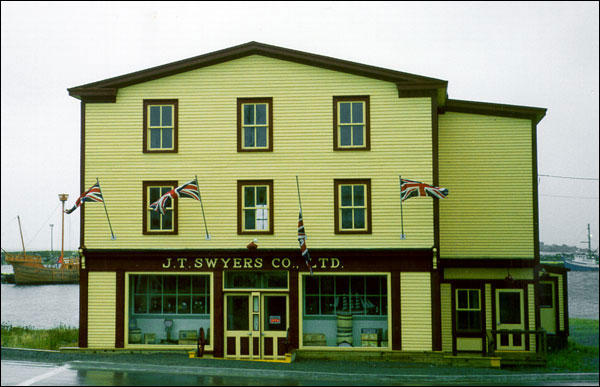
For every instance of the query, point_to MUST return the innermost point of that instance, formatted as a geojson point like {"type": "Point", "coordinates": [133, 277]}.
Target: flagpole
{"type": "Point", "coordinates": [202, 206]}
{"type": "Point", "coordinates": [112, 235]}
{"type": "Point", "coordinates": [402, 236]}
{"type": "Point", "coordinates": [302, 216]}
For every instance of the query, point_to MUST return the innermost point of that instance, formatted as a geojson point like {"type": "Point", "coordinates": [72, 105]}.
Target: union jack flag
{"type": "Point", "coordinates": [91, 195]}
{"type": "Point", "coordinates": [410, 188]}
{"type": "Point", "coordinates": [302, 242]}
{"type": "Point", "coordinates": [187, 190]}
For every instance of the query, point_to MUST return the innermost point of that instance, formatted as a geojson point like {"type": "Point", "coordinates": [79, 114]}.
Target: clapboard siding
{"type": "Point", "coordinates": [415, 304]}
{"type": "Point", "coordinates": [102, 290]}
{"type": "Point", "coordinates": [486, 163]}
{"type": "Point", "coordinates": [401, 143]}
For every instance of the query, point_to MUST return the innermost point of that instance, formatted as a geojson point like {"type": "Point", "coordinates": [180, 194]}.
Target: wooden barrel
{"type": "Point", "coordinates": [344, 329]}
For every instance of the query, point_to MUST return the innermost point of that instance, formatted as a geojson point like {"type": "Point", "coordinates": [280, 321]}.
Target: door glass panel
{"type": "Point", "coordinates": [237, 313]}
{"type": "Point", "coordinates": [275, 313]}
{"type": "Point", "coordinates": [510, 308]}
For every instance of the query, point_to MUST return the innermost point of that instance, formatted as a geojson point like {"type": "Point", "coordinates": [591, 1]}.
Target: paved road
{"type": "Point", "coordinates": [31, 368]}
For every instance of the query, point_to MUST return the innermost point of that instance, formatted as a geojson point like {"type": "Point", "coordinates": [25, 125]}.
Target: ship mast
{"type": "Point", "coordinates": [21, 232]}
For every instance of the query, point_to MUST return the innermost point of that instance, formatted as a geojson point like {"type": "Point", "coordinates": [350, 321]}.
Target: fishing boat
{"type": "Point", "coordinates": [29, 269]}
{"type": "Point", "coordinates": [584, 261]}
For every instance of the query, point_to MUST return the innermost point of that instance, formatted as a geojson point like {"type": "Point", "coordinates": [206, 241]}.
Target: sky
{"type": "Point", "coordinates": [539, 54]}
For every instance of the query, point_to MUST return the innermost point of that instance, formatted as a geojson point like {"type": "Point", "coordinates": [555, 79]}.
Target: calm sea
{"type": "Point", "coordinates": [47, 306]}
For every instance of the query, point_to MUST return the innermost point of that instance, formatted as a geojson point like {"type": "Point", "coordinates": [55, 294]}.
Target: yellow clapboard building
{"type": "Point", "coordinates": [269, 132]}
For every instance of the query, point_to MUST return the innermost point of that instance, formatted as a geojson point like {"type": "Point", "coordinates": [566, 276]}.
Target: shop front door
{"type": "Point", "coordinates": [256, 325]}
{"type": "Point", "coordinates": [510, 315]}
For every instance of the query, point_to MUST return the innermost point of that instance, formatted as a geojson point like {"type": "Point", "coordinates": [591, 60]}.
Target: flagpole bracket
{"type": "Point", "coordinates": [402, 236]}
{"type": "Point", "coordinates": [113, 238]}
{"type": "Point", "coordinates": [207, 237]}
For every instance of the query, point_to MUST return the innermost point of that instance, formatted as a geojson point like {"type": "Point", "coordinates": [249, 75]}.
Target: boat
{"type": "Point", "coordinates": [582, 262]}
{"type": "Point", "coordinates": [587, 261]}
{"type": "Point", "coordinates": [29, 269]}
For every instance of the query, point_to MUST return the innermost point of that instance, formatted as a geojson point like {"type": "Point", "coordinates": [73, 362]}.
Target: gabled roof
{"type": "Point", "coordinates": [106, 90]}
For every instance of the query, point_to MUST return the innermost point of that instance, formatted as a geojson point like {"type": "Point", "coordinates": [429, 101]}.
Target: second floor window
{"type": "Point", "coordinates": [255, 203]}
{"type": "Point", "coordinates": [154, 221]}
{"type": "Point", "coordinates": [351, 123]}
{"type": "Point", "coordinates": [160, 125]}
{"type": "Point", "coordinates": [255, 124]}
{"type": "Point", "coordinates": [352, 206]}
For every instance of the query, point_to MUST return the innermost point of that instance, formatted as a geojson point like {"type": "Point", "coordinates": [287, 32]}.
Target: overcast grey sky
{"type": "Point", "coordinates": [532, 54]}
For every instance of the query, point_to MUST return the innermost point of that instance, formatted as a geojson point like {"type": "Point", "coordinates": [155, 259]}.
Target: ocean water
{"type": "Point", "coordinates": [48, 306]}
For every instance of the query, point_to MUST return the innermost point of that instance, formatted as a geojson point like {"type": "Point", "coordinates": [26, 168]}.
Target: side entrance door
{"type": "Point", "coordinates": [256, 325]}
{"type": "Point", "coordinates": [510, 315]}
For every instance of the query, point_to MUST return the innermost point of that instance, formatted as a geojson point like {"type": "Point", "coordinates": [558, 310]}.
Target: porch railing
{"type": "Point", "coordinates": [541, 340]}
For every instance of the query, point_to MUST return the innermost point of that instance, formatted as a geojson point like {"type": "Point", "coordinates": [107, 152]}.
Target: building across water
{"type": "Point", "coordinates": [270, 132]}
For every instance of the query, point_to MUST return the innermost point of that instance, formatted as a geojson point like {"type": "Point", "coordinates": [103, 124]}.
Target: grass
{"type": "Point", "coordinates": [27, 337]}
{"type": "Point", "coordinates": [581, 354]}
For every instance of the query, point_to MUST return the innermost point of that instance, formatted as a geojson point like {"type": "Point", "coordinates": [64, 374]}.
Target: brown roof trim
{"type": "Point", "coordinates": [251, 48]}
{"type": "Point", "coordinates": [494, 109]}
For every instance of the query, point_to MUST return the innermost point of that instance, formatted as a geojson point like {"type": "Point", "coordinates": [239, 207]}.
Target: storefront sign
{"type": "Point", "coordinates": [245, 263]}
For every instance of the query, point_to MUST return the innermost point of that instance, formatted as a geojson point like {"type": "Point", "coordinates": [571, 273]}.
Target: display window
{"type": "Point", "coordinates": [168, 309]}
{"type": "Point", "coordinates": [345, 310]}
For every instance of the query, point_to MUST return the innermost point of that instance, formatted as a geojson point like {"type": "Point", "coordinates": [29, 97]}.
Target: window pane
{"type": "Point", "coordinates": [311, 285]}
{"type": "Point", "coordinates": [154, 115]}
{"type": "Point", "coordinates": [140, 283]}
{"type": "Point", "coordinates": [184, 304]}
{"type": "Point", "coordinates": [327, 285]}
{"type": "Point", "coordinates": [372, 305]}
{"type": "Point", "coordinates": [261, 114]}
{"type": "Point", "coordinates": [170, 304]}
{"type": "Point", "coordinates": [156, 304]}
{"type": "Point", "coordinates": [347, 218]}
{"type": "Point", "coordinates": [359, 218]}
{"type": "Point", "coordinates": [546, 299]}
{"type": "Point", "coordinates": [199, 285]}
{"type": "Point", "coordinates": [184, 285]}
{"type": "Point", "coordinates": [372, 285]}
{"type": "Point", "coordinates": [473, 299]}
{"type": "Point", "coordinates": [357, 135]}
{"type": "Point", "coordinates": [327, 304]}
{"type": "Point", "coordinates": [249, 197]}
{"type": "Point", "coordinates": [344, 112]}
{"type": "Point", "coordinates": [249, 219]}
{"type": "Point", "coordinates": [261, 196]}
{"type": "Point", "coordinates": [358, 285]}
{"type": "Point", "coordinates": [357, 112]}
{"type": "Point", "coordinates": [237, 313]}
{"type": "Point", "coordinates": [248, 114]}
{"type": "Point", "coordinates": [342, 285]}
{"type": "Point", "coordinates": [154, 220]}
{"type": "Point", "coordinates": [167, 116]}
{"type": "Point", "coordinates": [167, 220]}
{"type": "Point", "coordinates": [154, 194]}
{"type": "Point", "coordinates": [346, 196]}
{"type": "Point", "coordinates": [167, 138]}
{"type": "Point", "coordinates": [312, 305]}
{"type": "Point", "coordinates": [462, 320]}
{"type": "Point", "coordinates": [359, 195]}
{"type": "Point", "coordinates": [261, 136]}
{"type": "Point", "coordinates": [248, 136]}
{"type": "Point", "coordinates": [199, 305]}
{"type": "Point", "coordinates": [345, 135]}
{"type": "Point", "coordinates": [463, 301]}
{"type": "Point", "coordinates": [510, 308]}
{"type": "Point", "coordinates": [140, 304]}
{"type": "Point", "coordinates": [170, 284]}
{"type": "Point", "coordinates": [155, 284]}
{"type": "Point", "coordinates": [262, 219]}
{"type": "Point", "coordinates": [154, 138]}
